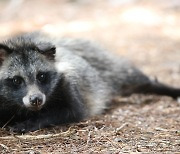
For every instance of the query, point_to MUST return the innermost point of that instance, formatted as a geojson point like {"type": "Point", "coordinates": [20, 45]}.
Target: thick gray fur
{"type": "Point", "coordinates": [100, 74]}
{"type": "Point", "coordinates": [82, 73]}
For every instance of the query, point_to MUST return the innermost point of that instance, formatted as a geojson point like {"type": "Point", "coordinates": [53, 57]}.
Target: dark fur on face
{"type": "Point", "coordinates": [22, 65]}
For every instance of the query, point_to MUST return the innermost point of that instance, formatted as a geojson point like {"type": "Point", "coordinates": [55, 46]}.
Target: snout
{"type": "Point", "coordinates": [34, 101]}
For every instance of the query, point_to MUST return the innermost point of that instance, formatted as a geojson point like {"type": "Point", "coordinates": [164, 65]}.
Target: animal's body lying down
{"type": "Point", "coordinates": [46, 81]}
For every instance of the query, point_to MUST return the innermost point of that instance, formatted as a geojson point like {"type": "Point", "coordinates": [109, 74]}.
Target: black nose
{"type": "Point", "coordinates": [36, 100]}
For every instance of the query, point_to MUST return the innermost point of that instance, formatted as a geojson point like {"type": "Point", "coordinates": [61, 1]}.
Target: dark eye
{"type": "Point", "coordinates": [17, 80]}
{"type": "Point", "coordinates": [42, 77]}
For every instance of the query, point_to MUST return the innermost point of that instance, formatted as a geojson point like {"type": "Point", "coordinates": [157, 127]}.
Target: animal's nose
{"type": "Point", "coordinates": [36, 100]}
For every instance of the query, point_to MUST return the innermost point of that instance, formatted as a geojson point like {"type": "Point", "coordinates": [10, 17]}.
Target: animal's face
{"type": "Point", "coordinates": [27, 74]}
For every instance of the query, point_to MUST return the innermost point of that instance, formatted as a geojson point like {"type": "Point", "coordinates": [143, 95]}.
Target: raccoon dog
{"type": "Point", "coordinates": [46, 82]}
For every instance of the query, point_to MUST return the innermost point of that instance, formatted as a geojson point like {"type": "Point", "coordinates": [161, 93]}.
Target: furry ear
{"type": "Point", "coordinates": [47, 50]}
{"type": "Point", "coordinates": [4, 51]}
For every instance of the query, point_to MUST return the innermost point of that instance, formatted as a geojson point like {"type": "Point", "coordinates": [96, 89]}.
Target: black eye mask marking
{"type": "Point", "coordinates": [42, 77]}
{"type": "Point", "coordinates": [15, 82]}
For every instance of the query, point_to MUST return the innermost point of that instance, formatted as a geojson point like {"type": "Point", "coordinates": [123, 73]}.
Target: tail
{"type": "Point", "coordinates": [155, 87]}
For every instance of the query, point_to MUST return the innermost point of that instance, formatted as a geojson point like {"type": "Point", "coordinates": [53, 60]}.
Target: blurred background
{"type": "Point", "coordinates": [145, 31]}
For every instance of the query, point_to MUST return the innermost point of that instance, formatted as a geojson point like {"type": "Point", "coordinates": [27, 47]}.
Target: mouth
{"type": "Point", "coordinates": [35, 108]}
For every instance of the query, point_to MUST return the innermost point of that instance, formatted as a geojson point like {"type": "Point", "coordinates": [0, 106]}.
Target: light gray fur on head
{"type": "Point", "coordinates": [26, 62]}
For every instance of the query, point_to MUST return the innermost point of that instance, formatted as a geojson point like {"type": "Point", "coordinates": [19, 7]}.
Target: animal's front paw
{"type": "Point", "coordinates": [18, 128]}
{"type": "Point", "coordinates": [24, 127]}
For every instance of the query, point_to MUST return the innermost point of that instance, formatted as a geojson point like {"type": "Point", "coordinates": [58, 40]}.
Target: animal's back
{"type": "Point", "coordinates": [119, 73]}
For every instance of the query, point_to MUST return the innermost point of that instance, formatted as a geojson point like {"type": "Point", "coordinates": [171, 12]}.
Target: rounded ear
{"type": "Point", "coordinates": [4, 52]}
{"type": "Point", "coordinates": [47, 49]}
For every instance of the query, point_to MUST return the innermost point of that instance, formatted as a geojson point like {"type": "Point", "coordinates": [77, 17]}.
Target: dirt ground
{"type": "Point", "coordinates": [145, 32]}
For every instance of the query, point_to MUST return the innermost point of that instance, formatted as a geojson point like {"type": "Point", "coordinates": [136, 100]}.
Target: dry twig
{"type": "Point", "coordinates": [32, 137]}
